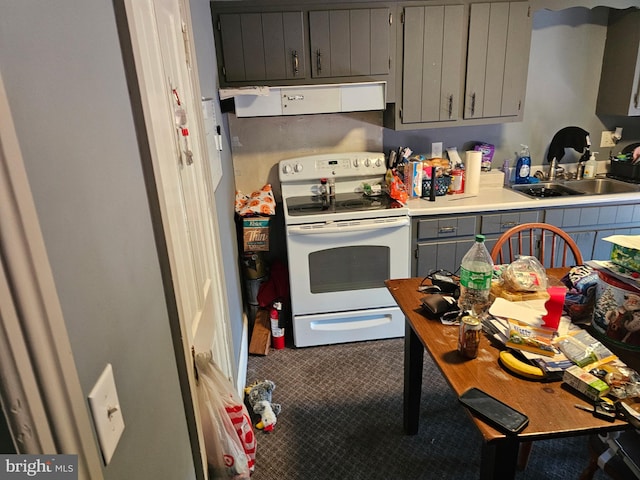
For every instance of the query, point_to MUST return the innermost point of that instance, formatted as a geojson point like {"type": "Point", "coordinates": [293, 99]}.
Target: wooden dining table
{"type": "Point", "coordinates": [550, 406]}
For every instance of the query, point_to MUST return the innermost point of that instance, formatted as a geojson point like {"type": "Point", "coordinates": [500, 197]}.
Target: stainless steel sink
{"type": "Point", "coordinates": [546, 190]}
{"type": "Point", "coordinates": [563, 188]}
{"type": "Point", "coordinates": [601, 186]}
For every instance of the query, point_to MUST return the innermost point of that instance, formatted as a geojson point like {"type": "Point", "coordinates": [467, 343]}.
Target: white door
{"type": "Point", "coordinates": [160, 33]}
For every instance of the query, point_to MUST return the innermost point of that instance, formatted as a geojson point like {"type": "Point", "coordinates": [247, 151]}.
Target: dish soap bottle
{"type": "Point", "coordinates": [590, 167]}
{"type": "Point", "coordinates": [523, 167]}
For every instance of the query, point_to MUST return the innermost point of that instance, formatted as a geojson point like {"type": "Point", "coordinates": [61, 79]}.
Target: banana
{"type": "Point", "coordinates": [511, 363]}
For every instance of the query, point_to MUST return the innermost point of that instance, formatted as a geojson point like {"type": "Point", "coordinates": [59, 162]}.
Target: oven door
{"type": "Point", "coordinates": [339, 266]}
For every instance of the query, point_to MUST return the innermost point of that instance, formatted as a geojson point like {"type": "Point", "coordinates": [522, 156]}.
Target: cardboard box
{"type": "Point", "coordinates": [256, 234]}
{"type": "Point", "coordinates": [413, 178]}
{"type": "Point", "coordinates": [492, 179]}
{"type": "Point", "coordinates": [587, 384]}
{"type": "Point", "coordinates": [626, 257]}
{"type": "Point", "coordinates": [625, 251]}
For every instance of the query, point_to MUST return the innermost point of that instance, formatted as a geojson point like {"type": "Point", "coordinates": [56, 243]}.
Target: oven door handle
{"type": "Point", "coordinates": [347, 226]}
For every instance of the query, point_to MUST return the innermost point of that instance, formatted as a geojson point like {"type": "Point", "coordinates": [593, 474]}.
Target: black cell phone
{"type": "Point", "coordinates": [500, 415]}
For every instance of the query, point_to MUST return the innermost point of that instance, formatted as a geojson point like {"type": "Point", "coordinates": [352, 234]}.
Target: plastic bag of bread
{"type": "Point", "coordinates": [526, 274]}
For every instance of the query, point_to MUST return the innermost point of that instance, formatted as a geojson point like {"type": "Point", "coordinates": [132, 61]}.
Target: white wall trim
{"type": "Point", "coordinates": [244, 357]}
{"type": "Point", "coordinates": [41, 391]}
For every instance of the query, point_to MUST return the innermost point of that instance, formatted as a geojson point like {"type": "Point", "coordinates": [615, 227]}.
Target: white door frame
{"type": "Point", "coordinates": [40, 392]}
{"type": "Point", "coordinates": [148, 88]}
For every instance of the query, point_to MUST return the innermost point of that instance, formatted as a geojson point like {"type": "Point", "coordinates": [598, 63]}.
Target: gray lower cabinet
{"type": "Point", "coordinates": [589, 225]}
{"type": "Point", "coordinates": [440, 242]}
{"type": "Point", "coordinates": [493, 225]}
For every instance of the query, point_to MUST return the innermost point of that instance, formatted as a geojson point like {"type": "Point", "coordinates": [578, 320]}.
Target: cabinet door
{"type": "Point", "coordinates": [619, 92]}
{"type": "Point", "coordinates": [347, 43]}
{"type": "Point", "coordinates": [497, 59]}
{"type": "Point", "coordinates": [262, 46]}
{"type": "Point", "coordinates": [441, 255]}
{"type": "Point", "coordinates": [432, 63]}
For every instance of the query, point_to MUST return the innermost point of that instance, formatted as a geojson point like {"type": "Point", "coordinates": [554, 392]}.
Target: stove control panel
{"type": "Point", "coordinates": [336, 165]}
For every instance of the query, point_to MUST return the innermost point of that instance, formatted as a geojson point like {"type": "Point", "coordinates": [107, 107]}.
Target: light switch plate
{"type": "Point", "coordinates": [436, 150]}
{"type": "Point", "coordinates": [107, 415]}
{"type": "Point", "coordinates": [607, 140]}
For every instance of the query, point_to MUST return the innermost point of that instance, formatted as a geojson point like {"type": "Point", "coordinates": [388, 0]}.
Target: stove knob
{"type": "Point", "coordinates": [378, 162]}
{"type": "Point", "coordinates": [367, 163]}
{"type": "Point", "coordinates": [286, 168]}
{"type": "Point", "coordinates": [298, 167]}
{"type": "Point", "coordinates": [356, 162]}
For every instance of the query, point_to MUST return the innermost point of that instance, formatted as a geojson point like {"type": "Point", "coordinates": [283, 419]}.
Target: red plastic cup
{"type": "Point", "coordinates": [554, 306]}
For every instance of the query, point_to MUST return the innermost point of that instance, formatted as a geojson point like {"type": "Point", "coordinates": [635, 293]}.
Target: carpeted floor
{"type": "Point", "coordinates": [342, 419]}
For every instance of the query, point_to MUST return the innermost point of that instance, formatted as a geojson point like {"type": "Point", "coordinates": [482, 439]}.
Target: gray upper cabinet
{"type": "Point", "coordinates": [258, 43]}
{"type": "Point", "coordinates": [619, 92]}
{"type": "Point", "coordinates": [497, 60]}
{"type": "Point", "coordinates": [261, 46]}
{"type": "Point", "coordinates": [432, 63]}
{"type": "Point", "coordinates": [350, 43]}
{"type": "Point", "coordinates": [462, 64]}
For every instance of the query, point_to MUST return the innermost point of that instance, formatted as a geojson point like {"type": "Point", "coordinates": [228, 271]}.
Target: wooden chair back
{"type": "Point", "coordinates": [550, 244]}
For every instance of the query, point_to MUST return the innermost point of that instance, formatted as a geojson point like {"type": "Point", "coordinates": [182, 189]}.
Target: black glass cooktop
{"type": "Point", "coordinates": [344, 202]}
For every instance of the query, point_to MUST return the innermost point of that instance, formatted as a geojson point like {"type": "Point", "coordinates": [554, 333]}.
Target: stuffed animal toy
{"type": "Point", "coordinates": [259, 397]}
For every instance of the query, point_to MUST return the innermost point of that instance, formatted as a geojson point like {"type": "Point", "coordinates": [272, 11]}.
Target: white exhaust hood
{"type": "Point", "coordinates": [307, 99]}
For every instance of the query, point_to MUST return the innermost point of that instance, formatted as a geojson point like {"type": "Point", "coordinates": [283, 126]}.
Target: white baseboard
{"type": "Point", "coordinates": [244, 357]}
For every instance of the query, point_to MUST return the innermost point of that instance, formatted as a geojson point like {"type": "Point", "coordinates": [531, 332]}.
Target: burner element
{"type": "Point", "coordinates": [344, 202]}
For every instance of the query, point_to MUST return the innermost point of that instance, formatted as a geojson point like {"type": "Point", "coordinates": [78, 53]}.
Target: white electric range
{"type": "Point", "coordinates": [342, 245]}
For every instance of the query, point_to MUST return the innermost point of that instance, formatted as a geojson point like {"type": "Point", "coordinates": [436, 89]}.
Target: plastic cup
{"type": "Point", "coordinates": [554, 306]}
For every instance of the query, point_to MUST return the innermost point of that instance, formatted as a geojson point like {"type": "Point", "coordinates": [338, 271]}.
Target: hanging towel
{"type": "Point", "coordinates": [568, 137]}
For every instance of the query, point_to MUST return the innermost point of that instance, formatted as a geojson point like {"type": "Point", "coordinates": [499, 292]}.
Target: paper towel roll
{"type": "Point", "coordinates": [472, 172]}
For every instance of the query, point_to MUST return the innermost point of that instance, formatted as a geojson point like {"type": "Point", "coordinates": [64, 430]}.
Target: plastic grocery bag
{"type": "Point", "coordinates": [526, 274]}
{"type": "Point", "coordinates": [226, 425]}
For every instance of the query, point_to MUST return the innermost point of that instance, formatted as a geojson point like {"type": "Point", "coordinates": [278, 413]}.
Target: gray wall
{"type": "Point", "coordinates": [63, 71]}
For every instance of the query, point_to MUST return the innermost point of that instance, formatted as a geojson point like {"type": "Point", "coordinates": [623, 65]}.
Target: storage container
{"type": "Point", "coordinates": [616, 316]}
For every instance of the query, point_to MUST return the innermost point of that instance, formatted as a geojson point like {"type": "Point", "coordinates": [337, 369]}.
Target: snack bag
{"type": "Point", "coordinates": [397, 190]}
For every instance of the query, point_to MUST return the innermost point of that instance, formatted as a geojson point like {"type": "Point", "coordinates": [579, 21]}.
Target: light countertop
{"type": "Point", "coordinates": [492, 199]}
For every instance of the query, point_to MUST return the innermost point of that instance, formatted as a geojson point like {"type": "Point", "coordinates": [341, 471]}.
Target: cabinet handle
{"type": "Point", "coordinates": [508, 225]}
{"type": "Point", "coordinates": [446, 230]}
{"type": "Point", "coordinates": [450, 105]}
{"type": "Point", "coordinates": [296, 63]}
{"type": "Point", "coordinates": [318, 60]}
{"type": "Point", "coordinates": [473, 104]}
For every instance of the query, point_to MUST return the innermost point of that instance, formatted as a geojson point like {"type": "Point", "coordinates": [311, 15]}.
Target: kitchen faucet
{"type": "Point", "coordinates": [554, 169]}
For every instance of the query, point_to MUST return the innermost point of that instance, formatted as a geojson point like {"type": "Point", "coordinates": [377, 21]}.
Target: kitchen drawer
{"type": "Point", "coordinates": [447, 227]}
{"type": "Point", "coordinates": [501, 222]}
